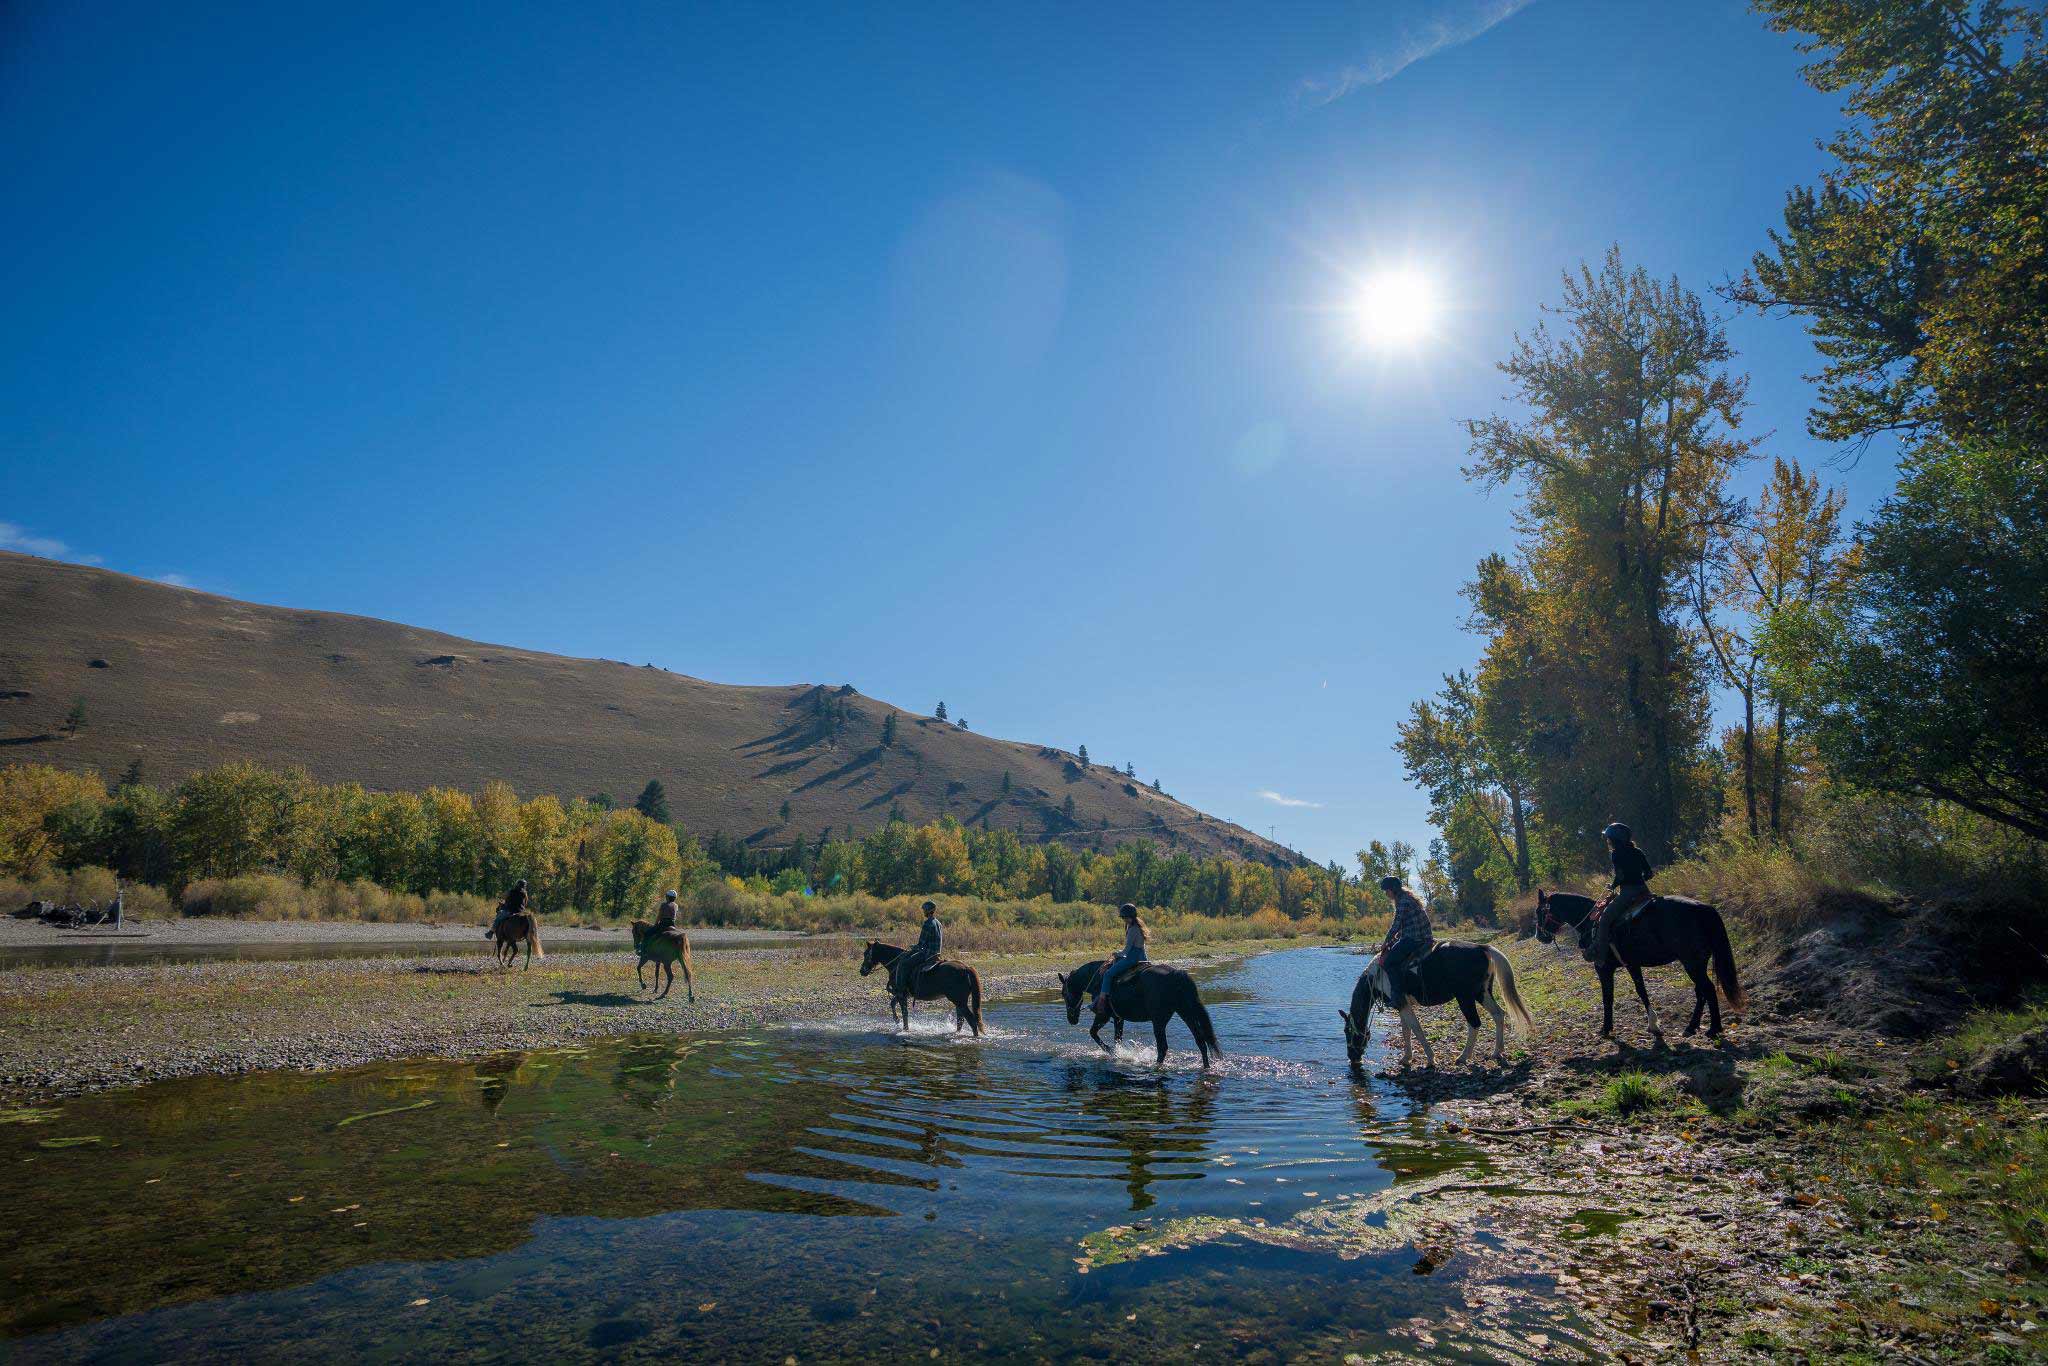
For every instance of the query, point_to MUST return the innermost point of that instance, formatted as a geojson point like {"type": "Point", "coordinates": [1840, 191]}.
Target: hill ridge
{"type": "Point", "coordinates": [179, 679]}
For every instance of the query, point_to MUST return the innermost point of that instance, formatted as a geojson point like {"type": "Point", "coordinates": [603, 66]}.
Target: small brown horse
{"type": "Point", "coordinates": [510, 932]}
{"type": "Point", "coordinates": [664, 951]}
{"type": "Point", "coordinates": [955, 982]}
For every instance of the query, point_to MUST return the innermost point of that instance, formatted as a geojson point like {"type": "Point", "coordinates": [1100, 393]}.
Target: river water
{"type": "Point", "coordinates": [827, 1191]}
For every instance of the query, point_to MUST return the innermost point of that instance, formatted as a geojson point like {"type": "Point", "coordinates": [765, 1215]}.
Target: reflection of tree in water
{"type": "Point", "coordinates": [1159, 1124]}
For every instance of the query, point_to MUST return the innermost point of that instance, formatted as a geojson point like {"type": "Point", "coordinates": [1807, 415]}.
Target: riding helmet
{"type": "Point", "coordinates": [1129, 910]}
{"type": "Point", "coordinates": [1390, 883]}
{"type": "Point", "coordinates": [671, 896]}
{"type": "Point", "coordinates": [1617, 833]}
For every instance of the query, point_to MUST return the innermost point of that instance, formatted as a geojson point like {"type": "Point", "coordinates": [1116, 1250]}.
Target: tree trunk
{"type": "Point", "coordinates": [1749, 760]}
{"type": "Point", "coordinates": [1778, 773]}
{"type": "Point", "coordinates": [1521, 820]}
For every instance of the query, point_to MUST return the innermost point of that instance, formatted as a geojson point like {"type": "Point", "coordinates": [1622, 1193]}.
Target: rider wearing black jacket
{"type": "Point", "coordinates": [1630, 883]}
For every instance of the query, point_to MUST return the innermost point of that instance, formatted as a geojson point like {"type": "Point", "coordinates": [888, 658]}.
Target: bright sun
{"type": "Point", "coordinates": [1397, 308]}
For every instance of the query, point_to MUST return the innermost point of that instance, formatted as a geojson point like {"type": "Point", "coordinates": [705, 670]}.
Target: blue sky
{"type": "Point", "coordinates": [992, 354]}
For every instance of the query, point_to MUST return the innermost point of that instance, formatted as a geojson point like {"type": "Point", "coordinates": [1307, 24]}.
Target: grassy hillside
{"type": "Point", "coordinates": [180, 680]}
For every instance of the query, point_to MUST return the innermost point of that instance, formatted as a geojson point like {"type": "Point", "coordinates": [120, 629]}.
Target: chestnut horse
{"type": "Point", "coordinates": [665, 951]}
{"type": "Point", "coordinates": [513, 930]}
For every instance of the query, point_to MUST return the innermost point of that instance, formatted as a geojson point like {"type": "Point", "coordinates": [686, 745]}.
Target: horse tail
{"type": "Point", "coordinates": [974, 998]}
{"type": "Point", "coordinates": [1198, 1019]}
{"type": "Point", "coordinates": [1724, 960]}
{"type": "Point", "coordinates": [1503, 974]}
{"type": "Point", "coordinates": [533, 933]}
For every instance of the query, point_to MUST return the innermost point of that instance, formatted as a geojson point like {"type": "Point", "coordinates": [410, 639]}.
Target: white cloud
{"type": "Point", "coordinates": [176, 580]}
{"type": "Point", "coordinates": [1279, 800]}
{"type": "Point", "coordinates": [14, 537]}
{"type": "Point", "coordinates": [1451, 23]}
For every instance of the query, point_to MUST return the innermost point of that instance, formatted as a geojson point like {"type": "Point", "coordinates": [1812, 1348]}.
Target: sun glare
{"type": "Point", "coordinates": [1397, 308]}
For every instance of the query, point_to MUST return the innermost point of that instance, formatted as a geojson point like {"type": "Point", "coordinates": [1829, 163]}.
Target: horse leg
{"type": "Point", "coordinates": [1500, 1031]}
{"type": "Point", "coordinates": [528, 965]}
{"type": "Point", "coordinates": [1606, 1001]}
{"type": "Point", "coordinates": [689, 982]}
{"type": "Point", "coordinates": [1469, 1009]}
{"type": "Point", "coordinates": [1702, 992]}
{"type": "Point", "coordinates": [1159, 1038]}
{"type": "Point", "coordinates": [1713, 1000]}
{"type": "Point", "coordinates": [640, 973]}
{"type": "Point", "coordinates": [1095, 1033]}
{"type": "Point", "coordinates": [1635, 974]}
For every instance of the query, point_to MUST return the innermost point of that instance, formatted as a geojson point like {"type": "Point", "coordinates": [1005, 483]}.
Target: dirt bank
{"type": "Point", "coordinates": [1799, 1188]}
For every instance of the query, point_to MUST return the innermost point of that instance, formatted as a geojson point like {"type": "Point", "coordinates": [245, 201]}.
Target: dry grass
{"type": "Point", "coordinates": [83, 887]}
{"type": "Point", "coordinates": [975, 925]}
{"type": "Point", "coordinates": [266, 896]}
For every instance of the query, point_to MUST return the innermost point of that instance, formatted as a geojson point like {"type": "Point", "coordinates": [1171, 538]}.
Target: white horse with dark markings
{"type": "Point", "coordinates": [1473, 974]}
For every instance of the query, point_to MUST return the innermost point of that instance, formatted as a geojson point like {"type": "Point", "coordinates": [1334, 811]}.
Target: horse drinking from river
{"type": "Point", "coordinates": [955, 982]}
{"type": "Point", "coordinates": [1671, 929]}
{"type": "Point", "coordinates": [1471, 973]}
{"type": "Point", "coordinates": [1149, 991]}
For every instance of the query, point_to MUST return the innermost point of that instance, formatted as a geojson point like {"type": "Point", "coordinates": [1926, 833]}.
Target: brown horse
{"type": "Point", "coordinates": [510, 932]}
{"type": "Point", "coordinates": [664, 951]}
{"type": "Point", "coordinates": [955, 982]}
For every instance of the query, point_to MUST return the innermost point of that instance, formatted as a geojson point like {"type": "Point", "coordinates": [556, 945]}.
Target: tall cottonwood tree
{"type": "Point", "coordinates": [1788, 554]}
{"type": "Point", "coordinates": [1621, 458]}
{"type": "Point", "coordinates": [1468, 767]}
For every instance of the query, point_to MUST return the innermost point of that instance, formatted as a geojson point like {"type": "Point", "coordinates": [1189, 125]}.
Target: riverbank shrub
{"type": "Point", "coordinates": [266, 896]}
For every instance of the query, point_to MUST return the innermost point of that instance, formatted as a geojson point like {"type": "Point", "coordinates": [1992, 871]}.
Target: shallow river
{"type": "Point", "coordinates": [817, 1192]}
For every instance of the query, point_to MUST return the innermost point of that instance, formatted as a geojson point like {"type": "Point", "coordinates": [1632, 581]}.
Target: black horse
{"type": "Point", "coordinates": [954, 982]}
{"type": "Point", "coordinates": [1149, 991]}
{"type": "Point", "coordinates": [1671, 929]}
{"type": "Point", "coordinates": [1472, 974]}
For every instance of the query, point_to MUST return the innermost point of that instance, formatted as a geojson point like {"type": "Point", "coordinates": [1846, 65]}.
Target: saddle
{"type": "Point", "coordinates": [1126, 988]}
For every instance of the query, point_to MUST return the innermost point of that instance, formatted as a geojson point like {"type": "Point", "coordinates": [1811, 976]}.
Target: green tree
{"type": "Point", "coordinates": [783, 812]}
{"type": "Point", "coordinates": [74, 720]}
{"type": "Point", "coordinates": [1464, 764]}
{"type": "Point", "coordinates": [1622, 463]}
{"type": "Point", "coordinates": [1006, 782]}
{"type": "Point", "coordinates": [941, 712]}
{"type": "Point", "coordinates": [1926, 679]}
{"type": "Point", "coordinates": [653, 802]}
{"type": "Point", "coordinates": [1920, 263]}
{"type": "Point", "coordinates": [131, 776]}
{"type": "Point", "coordinates": [1082, 754]}
{"type": "Point", "coordinates": [960, 723]}
{"type": "Point", "coordinates": [888, 729]}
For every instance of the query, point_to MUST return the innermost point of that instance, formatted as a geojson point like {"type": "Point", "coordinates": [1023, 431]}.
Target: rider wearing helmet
{"type": "Point", "coordinates": [1630, 883]}
{"type": "Point", "coordinates": [665, 918]}
{"type": "Point", "coordinates": [1132, 954]}
{"type": "Point", "coordinates": [922, 954]}
{"type": "Point", "coordinates": [1408, 938]}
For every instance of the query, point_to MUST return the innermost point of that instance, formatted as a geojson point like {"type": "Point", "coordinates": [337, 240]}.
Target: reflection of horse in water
{"type": "Point", "coordinates": [1158, 1125]}
{"type": "Point", "coordinates": [1149, 991]}
{"type": "Point", "coordinates": [945, 979]}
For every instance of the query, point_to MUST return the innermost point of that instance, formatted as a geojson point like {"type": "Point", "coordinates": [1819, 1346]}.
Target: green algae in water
{"type": "Point", "coordinates": [28, 1114]}
{"type": "Point", "coordinates": [379, 1114]}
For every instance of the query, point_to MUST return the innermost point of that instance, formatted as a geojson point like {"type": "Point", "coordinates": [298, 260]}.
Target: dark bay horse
{"type": "Point", "coordinates": [1671, 929]}
{"type": "Point", "coordinates": [955, 982]}
{"type": "Point", "coordinates": [1149, 991]}
{"type": "Point", "coordinates": [665, 951]}
{"type": "Point", "coordinates": [1469, 973]}
{"type": "Point", "coordinates": [513, 930]}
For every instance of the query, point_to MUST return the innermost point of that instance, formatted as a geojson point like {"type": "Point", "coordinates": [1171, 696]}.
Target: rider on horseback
{"type": "Point", "coordinates": [920, 955]}
{"type": "Point", "coordinates": [1132, 954]}
{"type": "Point", "coordinates": [1630, 884]}
{"type": "Point", "coordinates": [665, 918]}
{"type": "Point", "coordinates": [1408, 938]}
{"type": "Point", "coordinates": [513, 904]}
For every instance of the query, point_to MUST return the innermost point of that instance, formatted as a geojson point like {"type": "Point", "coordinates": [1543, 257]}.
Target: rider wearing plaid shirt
{"type": "Point", "coordinates": [1408, 938]}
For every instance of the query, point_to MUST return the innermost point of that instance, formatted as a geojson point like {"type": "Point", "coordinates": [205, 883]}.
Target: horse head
{"type": "Point", "coordinates": [868, 959]}
{"type": "Point", "coordinates": [1358, 1020]}
{"type": "Point", "coordinates": [1071, 992]}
